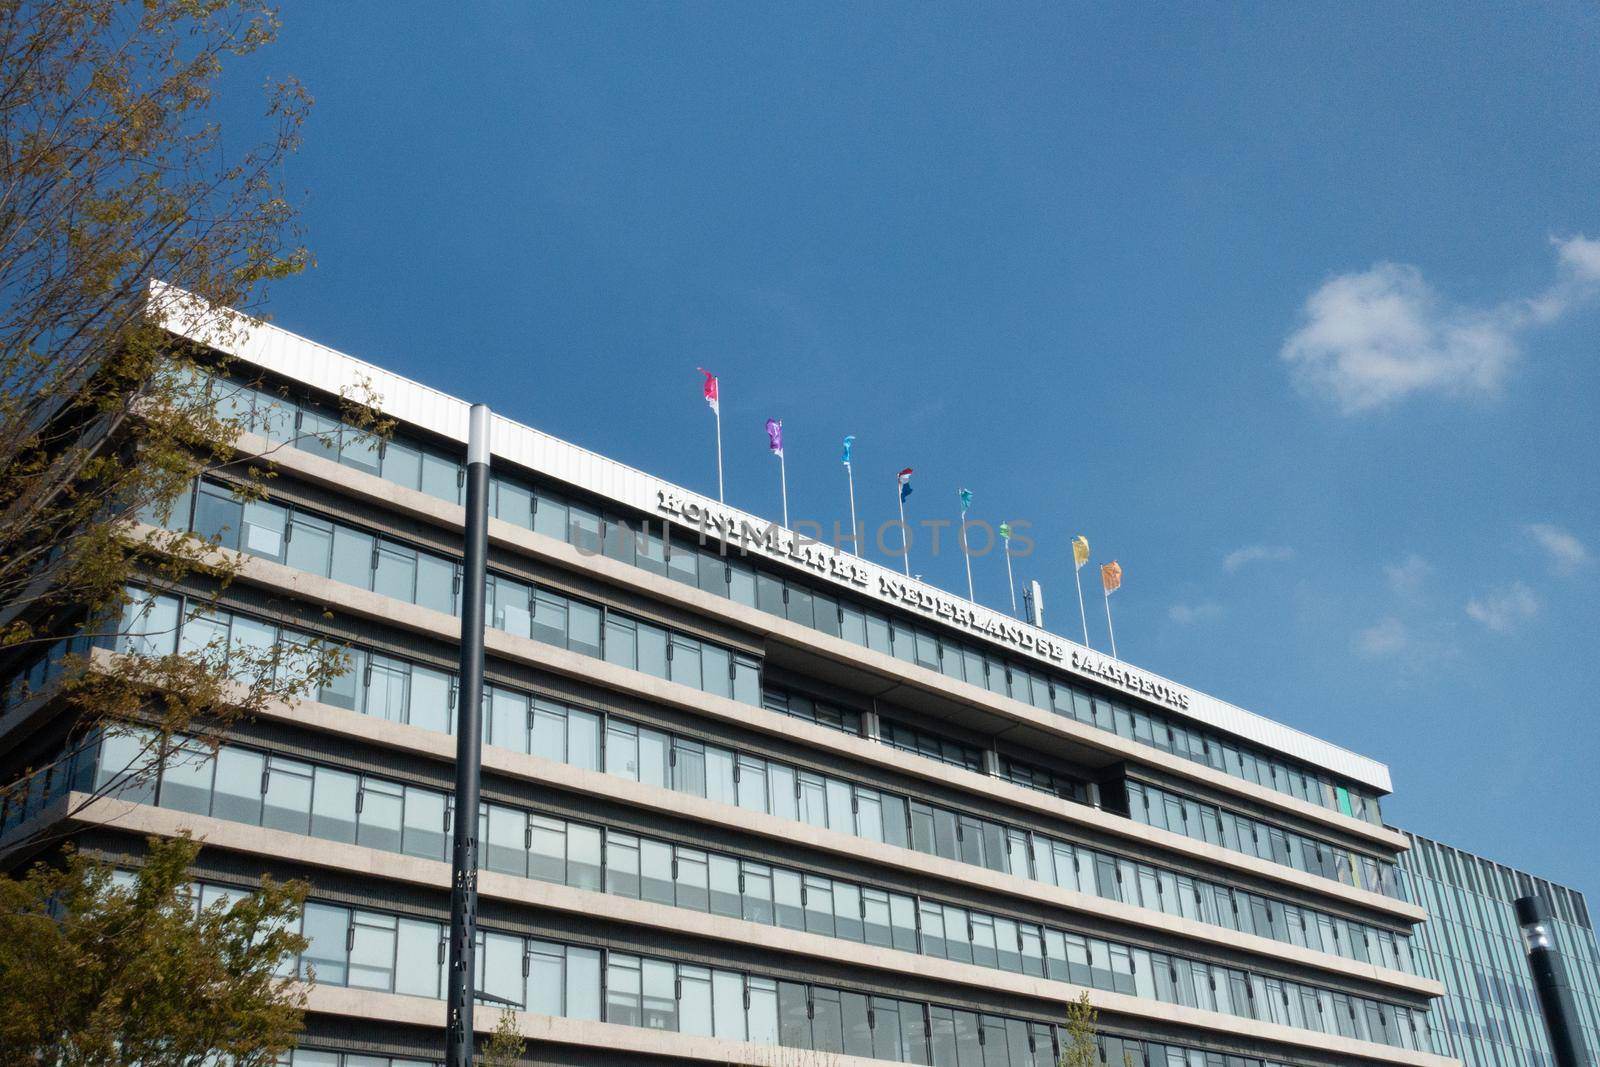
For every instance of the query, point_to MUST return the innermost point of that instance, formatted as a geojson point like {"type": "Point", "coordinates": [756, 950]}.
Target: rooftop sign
{"type": "Point", "coordinates": [734, 528]}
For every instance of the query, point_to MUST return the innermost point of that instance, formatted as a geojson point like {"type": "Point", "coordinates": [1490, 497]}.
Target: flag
{"type": "Point", "coordinates": [1005, 531]}
{"type": "Point", "coordinates": [1080, 551]}
{"type": "Point", "coordinates": [849, 443]}
{"type": "Point", "coordinates": [710, 389]}
{"type": "Point", "coordinates": [904, 478]}
{"type": "Point", "coordinates": [966, 500]}
{"type": "Point", "coordinates": [775, 436]}
{"type": "Point", "coordinates": [1111, 577]}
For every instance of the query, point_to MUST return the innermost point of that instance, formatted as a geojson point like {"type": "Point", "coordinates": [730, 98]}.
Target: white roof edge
{"type": "Point", "coordinates": [281, 352]}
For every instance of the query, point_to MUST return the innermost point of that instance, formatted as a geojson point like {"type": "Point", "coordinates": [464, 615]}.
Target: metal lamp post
{"type": "Point", "coordinates": [469, 750]}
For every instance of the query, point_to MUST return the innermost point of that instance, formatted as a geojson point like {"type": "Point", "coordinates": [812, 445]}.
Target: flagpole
{"type": "Point", "coordinates": [850, 472]}
{"type": "Point", "coordinates": [1109, 628]}
{"type": "Point", "coordinates": [783, 481]}
{"type": "Point", "coordinates": [1010, 581]}
{"type": "Point", "coordinates": [966, 555]}
{"type": "Point", "coordinates": [1083, 617]}
{"type": "Point", "coordinates": [905, 531]}
{"type": "Point", "coordinates": [718, 412]}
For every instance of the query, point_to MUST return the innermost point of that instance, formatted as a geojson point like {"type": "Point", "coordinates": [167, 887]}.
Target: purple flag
{"type": "Point", "coordinates": [775, 436]}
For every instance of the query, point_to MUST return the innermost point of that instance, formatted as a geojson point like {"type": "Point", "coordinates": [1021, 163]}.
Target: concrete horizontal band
{"type": "Point", "coordinates": [893, 672]}
{"type": "Point", "coordinates": [355, 859]}
{"type": "Point", "coordinates": [337, 374]}
{"type": "Point", "coordinates": [387, 610]}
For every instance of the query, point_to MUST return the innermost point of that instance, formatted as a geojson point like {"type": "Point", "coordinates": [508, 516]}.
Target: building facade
{"type": "Point", "coordinates": [747, 798]}
{"type": "Point", "coordinates": [1489, 1015]}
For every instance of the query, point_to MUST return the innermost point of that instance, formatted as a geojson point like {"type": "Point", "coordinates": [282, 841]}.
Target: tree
{"type": "Point", "coordinates": [113, 173]}
{"type": "Point", "coordinates": [505, 1046]}
{"type": "Point", "coordinates": [1080, 1049]}
{"type": "Point", "coordinates": [104, 975]}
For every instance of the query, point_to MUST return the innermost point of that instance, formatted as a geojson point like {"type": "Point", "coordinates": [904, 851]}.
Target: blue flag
{"type": "Point", "coordinates": [848, 443]}
{"type": "Point", "coordinates": [966, 500]}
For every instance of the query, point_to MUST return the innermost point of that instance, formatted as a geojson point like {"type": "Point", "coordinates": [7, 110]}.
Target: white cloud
{"type": "Point", "coordinates": [1567, 553]}
{"type": "Point", "coordinates": [1189, 614]}
{"type": "Point", "coordinates": [1502, 609]}
{"type": "Point", "coordinates": [1387, 637]}
{"type": "Point", "coordinates": [1407, 576]}
{"type": "Point", "coordinates": [1241, 557]}
{"type": "Point", "coordinates": [1372, 338]}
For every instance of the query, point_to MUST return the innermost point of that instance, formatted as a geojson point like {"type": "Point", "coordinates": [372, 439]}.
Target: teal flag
{"type": "Point", "coordinates": [966, 499]}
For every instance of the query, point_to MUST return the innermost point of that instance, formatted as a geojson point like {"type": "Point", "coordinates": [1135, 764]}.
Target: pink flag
{"type": "Point", "coordinates": [710, 389]}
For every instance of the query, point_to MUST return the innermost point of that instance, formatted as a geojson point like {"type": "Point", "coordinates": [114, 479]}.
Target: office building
{"type": "Point", "coordinates": [1489, 1015]}
{"type": "Point", "coordinates": [744, 795]}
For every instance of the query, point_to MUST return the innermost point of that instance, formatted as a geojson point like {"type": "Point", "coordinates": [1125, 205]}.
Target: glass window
{"type": "Point", "coordinates": [692, 879]}
{"type": "Point", "coordinates": [218, 515]}
{"type": "Point", "coordinates": [237, 794]}
{"type": "Point", "coordinates": [827, 1020]}
{"type": "Point", "coordinates": [333, 804]}
{"type": "Point", "coordinates": [655, 866]}
{"type": "Point", "coordinates": [547, 857]}
{"type": "Point", "coordinates": [402, 464]}
{"type": "Point", "coordinates": [436, 583]}
{"type": "Point", "coordinates": [756, 895]}
{"type": "Point", "coordinates": [508, 724]}
{"type": "Point", "coordinates": [432, 699]}
{"type": "Point", "coordinates": [263, 530]}
{"type": "Point", "coordinates": [728, 1011]}
{"type": "Point", "coordinates": [650, 551]}
{"type": "Point", "coordinates": [621, 641]}
{"type": "Point", "coordinates": [396, 572]}
{"type": "Point", "coordinates": [310, 546]}
{"type": "Point", "coordinates": [794, 1016]}
{"type": "Point", "coordinates": [288, 795]}
{"type": "Point", "coordinates": [622, 864]}
{"type": "Point", "coordinates": [353, 557]}
{"type": "Point", "coordinates": [742, 583]}
{"type": "Point", "coordinates": [441, 478]}
{"type": "Point", "coordinates": [327, 928]}
{"type": "Point", "coordinates": [583, 628]}
{"type": "Point", "coordinates": [424, 833]}
{"type": "Point", "coordinates": [186, 778]}
{"type": "Point", "coordinates": [583, 856]}
{"type": "Point", "coordinates": [546, 978]}
{"type": "Point", "coordinates": [372, 949]}
{"type": "Point", "coordinates": [500, 966]}
{"type": "Point", "coordinates": [379, 806]}
{"type": "Point", "coordinates": [506, 845]}
{"type": "Point", "coordinates": [682, 564]}
{"type": "Point", "coordinates": [660, 995]}
{"type": "Point", "coordinates": [686, 661]}
{"type": "Point", "coordinates": [652, 650]}
{"type": "Point", "coordinates": [694, 1001]}
{"type": "Point", "coordinates": [419, 958]}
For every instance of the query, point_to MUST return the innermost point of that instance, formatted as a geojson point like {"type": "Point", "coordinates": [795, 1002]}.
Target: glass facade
{"type": "Point", "coordinates": [1490, 1015]}
{"type": "Point", "coordinates": [367, 949]}
{"type": "Point", "coordinates": [245, 785]}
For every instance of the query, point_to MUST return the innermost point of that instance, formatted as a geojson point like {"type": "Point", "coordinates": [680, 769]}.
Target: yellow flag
{"type": "Point", "coordinates": [1080, 550]}
{"type": "Point", "coordinates": [1111, 577]}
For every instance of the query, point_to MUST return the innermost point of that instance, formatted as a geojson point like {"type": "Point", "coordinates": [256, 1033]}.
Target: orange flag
{"type": "Point", "coordinates": [1111, 577]}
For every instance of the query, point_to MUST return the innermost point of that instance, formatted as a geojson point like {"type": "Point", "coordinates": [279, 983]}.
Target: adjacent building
{"type": "Point", "coordinates": [748, 798]}
{"type": "Point", "coordinates": [1489, 1016]}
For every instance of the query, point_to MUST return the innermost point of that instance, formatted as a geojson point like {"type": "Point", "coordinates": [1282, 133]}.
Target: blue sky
{"type": "Point", "coordinates": [1291, 309]}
